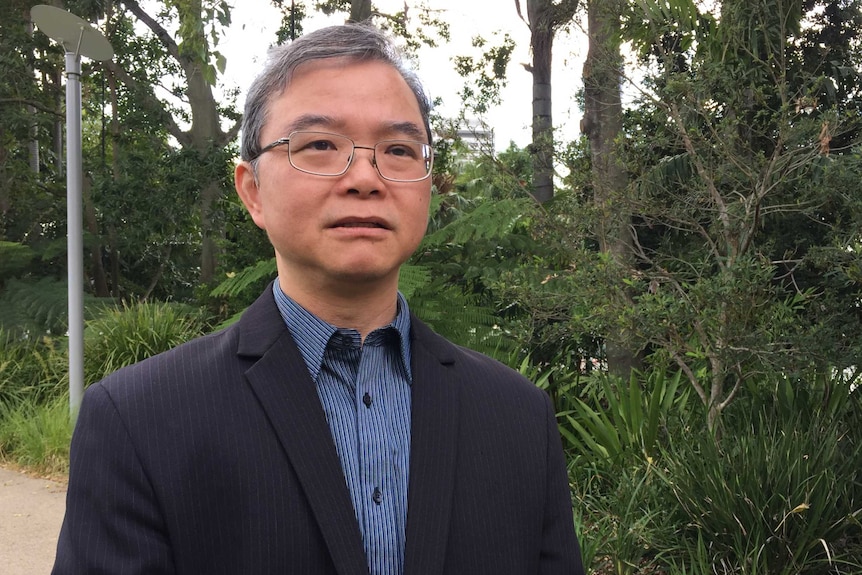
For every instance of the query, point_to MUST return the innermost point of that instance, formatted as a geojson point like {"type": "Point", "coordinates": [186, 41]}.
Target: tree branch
{"type": "Point", "coordinates": [173, 128]}
{"type": "Point", "coordinates": [233, 131]}
{"type": "Point", "coordinates": [36, 105]}
{"type": "Point", "coordinates": [162, 34]}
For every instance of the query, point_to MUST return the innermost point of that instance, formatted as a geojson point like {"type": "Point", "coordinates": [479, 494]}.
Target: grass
{"type": "Point", "coordinates": [36, 436]}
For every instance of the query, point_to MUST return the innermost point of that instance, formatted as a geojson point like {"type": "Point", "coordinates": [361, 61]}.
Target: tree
{"type": "Point", "coordinates": [544, 18]}
{"type": "Point", "coordinates": [603, 127]}
{"type": "Point", "coordinates": [192, 52]}
{"type": "Point", "coordinates": [730, 162]}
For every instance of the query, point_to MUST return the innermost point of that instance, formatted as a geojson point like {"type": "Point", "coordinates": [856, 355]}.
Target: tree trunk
{"type": "Point", "coordinates": [100, 282]}
{"type": "Point", "coordinates": [33, 145]}
{"type": "Point", "coordinates": [602, 125]}
{"type": "Point", "coordinates": [360, 10]}
{"type": "Point", "coordinates": [541, 16]}
{"type": "Point", "coordinates": [205, 133]}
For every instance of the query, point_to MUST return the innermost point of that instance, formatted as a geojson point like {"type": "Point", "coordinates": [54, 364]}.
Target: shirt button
{"type": "Point", "coordinates": [366, 399]}
{"type": "Point", "coordinates": [377, 496]}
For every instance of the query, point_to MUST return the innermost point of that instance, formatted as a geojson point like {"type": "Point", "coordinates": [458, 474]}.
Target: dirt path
{"type": "Point", "coordinates": [31, 511]}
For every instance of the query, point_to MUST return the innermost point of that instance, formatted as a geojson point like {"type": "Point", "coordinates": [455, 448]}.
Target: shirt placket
{"type": "Point", "coordinates": [375, 457]}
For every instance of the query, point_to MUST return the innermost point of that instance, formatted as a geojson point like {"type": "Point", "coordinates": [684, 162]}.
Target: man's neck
{"type": "Point", "coordinates": [355, 307]}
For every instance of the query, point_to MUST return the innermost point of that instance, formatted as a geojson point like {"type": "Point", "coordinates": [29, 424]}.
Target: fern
{"type": "Point", "coordinates": [487, 221]}
{"type": "Point", "coordinates": [40, 306]}
{"type": "Point", "coordinates": [462, 319]}
{"type": "Point", "coordinates": [238, 283]}
{"type": "Point", "coordinates": [14, 258]}
{"type": "Point", "coordinates": [412, 278]}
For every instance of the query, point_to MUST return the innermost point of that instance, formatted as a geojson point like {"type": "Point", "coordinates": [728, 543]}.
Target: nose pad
{"type": "Point", "coordinates": [371, 160]}
{"type": "Point", "coordinates": [363, 181]}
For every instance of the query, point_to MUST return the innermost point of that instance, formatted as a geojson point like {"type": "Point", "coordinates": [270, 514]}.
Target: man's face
{"type": "Point", "coordinates": [348, 231]}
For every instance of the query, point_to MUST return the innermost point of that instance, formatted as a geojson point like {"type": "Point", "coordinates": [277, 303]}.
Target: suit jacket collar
{"type": "Point", "coordinates": [280, 380]}
{"type": "Point", "coordinates": [433, 450]}
{"type": "Point", "coordinates": [300, 424]}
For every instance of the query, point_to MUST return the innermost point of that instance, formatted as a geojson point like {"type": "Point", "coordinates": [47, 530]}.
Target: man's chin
{"type": "Point", "coordinates": [365, 276]}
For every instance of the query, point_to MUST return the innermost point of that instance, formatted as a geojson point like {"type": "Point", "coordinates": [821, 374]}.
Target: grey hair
{"type": "Point", "coordinates": [359, 42]}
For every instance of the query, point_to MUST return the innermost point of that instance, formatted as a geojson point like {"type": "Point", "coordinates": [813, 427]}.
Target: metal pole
{"type": "Point", "coordinates": [75, 231]}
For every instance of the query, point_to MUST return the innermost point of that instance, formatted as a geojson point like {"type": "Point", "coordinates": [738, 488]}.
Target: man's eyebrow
{"type": "Point", "coordinates": [310, 121]}
{"type": "Point", "coordinates": [306, 121]}
{"type": "Point", "coordinates": [409, 129]}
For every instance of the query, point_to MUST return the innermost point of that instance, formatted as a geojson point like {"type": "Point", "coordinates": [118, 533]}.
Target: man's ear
{"type": "Point", "coordinates": [247, 188]}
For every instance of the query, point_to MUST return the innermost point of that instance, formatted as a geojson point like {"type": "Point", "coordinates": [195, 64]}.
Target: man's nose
{"type": "Point", "coordinates": [362, 173]}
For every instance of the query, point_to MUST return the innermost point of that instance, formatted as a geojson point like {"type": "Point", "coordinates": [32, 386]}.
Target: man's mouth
{"type": "Point", "coordinates": [372, 223]}
{"type": "Point", "coordinates": [360, 225]}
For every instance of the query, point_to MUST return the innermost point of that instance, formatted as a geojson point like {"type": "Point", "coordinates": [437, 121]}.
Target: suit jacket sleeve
{"type": "Point", "coordinates": [489, 490]}
{"type": "Point", "coordinates": [560, 553]}
{"type": "Point", "coordinates": [112, 523]}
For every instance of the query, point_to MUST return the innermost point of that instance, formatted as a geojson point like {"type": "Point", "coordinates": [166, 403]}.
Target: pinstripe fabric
{"type": "Point", "coordinates": [216, 458]}
{"type": "Point", "coordinates": [365, 393]}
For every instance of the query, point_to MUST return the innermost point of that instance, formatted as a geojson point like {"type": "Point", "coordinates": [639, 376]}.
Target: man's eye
{"type": "Point", "coordinates": [402, 151]}
{"type": "Point", "coordinates": [320, 146]}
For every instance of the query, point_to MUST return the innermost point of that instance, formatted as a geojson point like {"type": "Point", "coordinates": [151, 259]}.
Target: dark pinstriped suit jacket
{"type": "Point", "coordinates": [216, 457]}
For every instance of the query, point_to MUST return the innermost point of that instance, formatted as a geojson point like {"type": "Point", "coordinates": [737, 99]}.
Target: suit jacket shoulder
{"type": "Point", "coordinates": [213, 457]}
{"type": "Point", "coordinates": [487, 475]}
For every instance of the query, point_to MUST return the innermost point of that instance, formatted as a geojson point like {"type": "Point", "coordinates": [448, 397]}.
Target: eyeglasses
{"type": "Point", "coordinates": [325, 154]}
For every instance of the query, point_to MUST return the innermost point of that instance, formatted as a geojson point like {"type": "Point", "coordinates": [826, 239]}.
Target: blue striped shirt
{"type": "Point", "coordinates": [365, 393]}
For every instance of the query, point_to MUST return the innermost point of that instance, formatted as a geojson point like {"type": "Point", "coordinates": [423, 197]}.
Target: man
{"type": "Point", "coordinates": [328, 431]}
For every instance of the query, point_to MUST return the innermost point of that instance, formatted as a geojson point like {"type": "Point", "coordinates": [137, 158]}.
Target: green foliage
{"type": "Point", "coordinates": [36, 435]}
{"type": "Point", "coordinates": [621, 517]}
{"type": "Point", "coordinates": [412, 278]}
{"type": "Point", "coordinates": [779, 492]}
{"type": "Point", "coordinates": [418, 26]}
{"type": "Point", "coordinates": [734, 203]}
{"type": "Point", "coordinates": [622, 423]}
{"type": "Point", "coordinates": [39, 306]}
{"type": "Point", "coordinates": [292, 16]}
{"type": "Point", "coordinates": [485, 74]}
{"type": "Point", "coordinates": [241, 282]}
{"type": "Point", "coordinates": [127, 335]}
{"type": "Point", "coordinates": [31, 369]}
{"type": "Point", "coordinates": [14, 258]}
{"type": "Point", "coordinates": [462, 318]}
{"type": "Point", "coordinates": [200, 24]}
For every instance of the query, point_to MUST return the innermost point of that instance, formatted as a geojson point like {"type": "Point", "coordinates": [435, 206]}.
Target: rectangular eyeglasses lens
{"type": "Point", "coordinates": [320, 152]}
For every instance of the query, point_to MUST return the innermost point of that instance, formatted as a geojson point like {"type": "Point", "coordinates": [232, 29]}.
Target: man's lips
{"type": "Point", "coordinates": [375, 223]}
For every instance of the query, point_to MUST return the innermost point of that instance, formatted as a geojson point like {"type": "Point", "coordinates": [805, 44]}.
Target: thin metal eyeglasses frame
{"type": "Point", "coordinates": [286, 142]}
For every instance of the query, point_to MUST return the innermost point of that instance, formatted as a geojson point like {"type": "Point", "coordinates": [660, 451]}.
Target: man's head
{"type": "Point", "coordinates": [336, 163]}
{"type": "Point", "coordinates": [359, 42]}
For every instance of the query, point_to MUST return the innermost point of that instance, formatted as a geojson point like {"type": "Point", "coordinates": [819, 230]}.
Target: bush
{"type": "Point", "coordinates": [779, 493]}
{"type": "Point", "coordinates": [621, 514]}
{"type": "Point", "coordinates": [125, 336]}
{"type": "Point", "coordinates": [31, 370]}
{"type": "Point", "coordinates": [620, 422]}
{"type": "Point", "coordinates": [37, 435]}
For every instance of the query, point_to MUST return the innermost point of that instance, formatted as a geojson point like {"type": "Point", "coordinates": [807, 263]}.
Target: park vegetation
{"type": "Point", "coordinates": [685, 279]}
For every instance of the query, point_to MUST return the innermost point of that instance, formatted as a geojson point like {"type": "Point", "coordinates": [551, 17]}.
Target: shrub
{"type": "Point", "coordinates": [622, 422]}
{"type": "Point", "coordinates": [31, 370]}
{"type": "Point", "coordinates": [37, 435]}
{"type": "Point", "coordinates": [127, 335]}
{"type": "Point", "coordinates": [779, 493]}
{"type": "Point", "coordinates": [621, 514]}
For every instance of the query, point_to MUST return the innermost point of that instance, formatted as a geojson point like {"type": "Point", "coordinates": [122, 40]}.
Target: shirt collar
{"type": "Point", "coordinates": [312, 334]}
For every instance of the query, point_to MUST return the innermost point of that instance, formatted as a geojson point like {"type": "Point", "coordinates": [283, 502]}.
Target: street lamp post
{"type": "Point", "coordinates": [78, 38]}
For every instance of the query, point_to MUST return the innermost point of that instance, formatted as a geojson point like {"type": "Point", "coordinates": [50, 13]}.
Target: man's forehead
{"type": "Point", "coordinates": [336, 123]}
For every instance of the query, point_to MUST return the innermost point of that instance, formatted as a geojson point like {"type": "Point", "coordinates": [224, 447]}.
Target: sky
{"type": "Point", "coordinates": [253, 29]}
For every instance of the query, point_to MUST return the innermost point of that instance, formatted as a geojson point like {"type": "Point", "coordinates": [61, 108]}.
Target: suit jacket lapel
{"type": "Point", "coordinates": [434, 433]}
{"type": "Point", "coordinates": [281, 382]}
